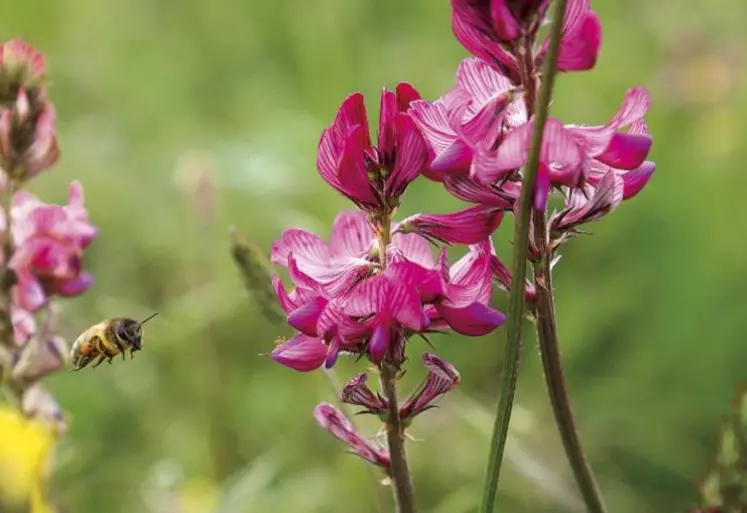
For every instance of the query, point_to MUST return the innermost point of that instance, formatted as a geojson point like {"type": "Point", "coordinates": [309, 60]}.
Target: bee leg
{"type": "Point", "coordinates": [99, 361]}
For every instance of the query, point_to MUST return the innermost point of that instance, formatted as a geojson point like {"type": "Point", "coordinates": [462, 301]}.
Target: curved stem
{"type": "Point", "coordinates": [404, 492]}
{"type": "Point", "coordinates": [518, 272]}
{"type": "Point", "coordinates": [547, 335]}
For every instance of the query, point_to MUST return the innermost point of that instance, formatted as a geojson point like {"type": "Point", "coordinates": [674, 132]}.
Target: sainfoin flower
{"type": "Point", "coordinates": [49, 241]}
{"type": "Point", "coordinates": [344, 300]}
{"type": "Point", "coordinates": [333, 420]}
{"type": "Point", "coordinates": [374, 177]}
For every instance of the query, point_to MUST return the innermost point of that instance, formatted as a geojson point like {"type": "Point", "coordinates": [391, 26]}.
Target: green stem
{"type": "Point", "coordinates": [547, 335]}
{"type": "Point", "coordinates": [335, 385]}
{"type": "Point", "coordinates": [404, 491]}
{"type": "Point", "coordinates": [519, 268]}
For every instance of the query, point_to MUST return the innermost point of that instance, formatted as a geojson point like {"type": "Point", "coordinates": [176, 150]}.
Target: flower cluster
{"type": "Point", "coordinates": [41, 255]}
{"type": "Point", "coordinates": [377, 282]}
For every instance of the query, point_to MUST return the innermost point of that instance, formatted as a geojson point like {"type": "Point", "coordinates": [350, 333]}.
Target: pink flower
{"type": "Point", "coordinates": [373, 177]}
{"type": "Point", "coordinates": [21, 63]}
{"type": "Point", "coordinates": [468, 226]}
{"type": "Point", "coordinates": [49, 242]}
{"type": "Point", "coordinates": [301, 353]}
{"type": "Point", "coordinates": [333, 420]}
{"type": "Point", "coordinates": [375, 311]}
{"type": "Point", "coordinates": [570, 154]}
{"type": "Point", "coordinates": [470, 121]}
{"type": "Point", "coordinates": [490, 28]}
{"type": "Point", "coordinates": [442, 378]}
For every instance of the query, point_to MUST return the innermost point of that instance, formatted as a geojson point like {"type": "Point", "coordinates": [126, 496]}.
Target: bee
{"type": "Point", "coordinates": [107, 339]}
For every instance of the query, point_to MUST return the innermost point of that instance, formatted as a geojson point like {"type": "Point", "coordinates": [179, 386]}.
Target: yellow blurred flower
{"type": "Point", "coordinates": [199, 495]}
{"type": "Point", "coordinates": [25, 453]}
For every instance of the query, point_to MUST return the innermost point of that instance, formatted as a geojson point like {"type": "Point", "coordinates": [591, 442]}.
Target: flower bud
{"type": "Point", "coordinates": [332, 419]}
{"type": "Point", "coordinates": [20, 65]}
{"type": "Point", "coordinates": [442, 378]}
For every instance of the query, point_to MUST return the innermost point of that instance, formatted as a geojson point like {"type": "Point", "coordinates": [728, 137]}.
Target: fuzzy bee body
{"type": "Point", "coordinates": [107, 339]}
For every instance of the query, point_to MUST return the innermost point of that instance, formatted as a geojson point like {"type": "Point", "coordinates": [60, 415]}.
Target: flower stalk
{"type": "Point", "coordinates": [512, 355]}
{"type": "Point", "coordinates": [547, 335]}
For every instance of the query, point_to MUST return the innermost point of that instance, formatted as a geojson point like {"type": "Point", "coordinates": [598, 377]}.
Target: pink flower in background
{"type": "Point", "coordinates": [22, 63]}
{"type": "Point", "coordinates": [489, 29]}
{"type": "Point", "coordinates": [49, 242]}
{"type": "Point", "coordinates": [373, 177]}
{"type": "Point", "coordinates": [333, 420]}
{"type": "Point", "coordinates": [375, 312]}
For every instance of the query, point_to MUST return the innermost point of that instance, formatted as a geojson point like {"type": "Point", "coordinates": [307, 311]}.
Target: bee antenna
{"type": "Point", "coordinates": [148, 318]}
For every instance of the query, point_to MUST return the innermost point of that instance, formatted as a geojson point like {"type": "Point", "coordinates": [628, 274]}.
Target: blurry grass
{"type": "Point", "coordinates": [650, 308]}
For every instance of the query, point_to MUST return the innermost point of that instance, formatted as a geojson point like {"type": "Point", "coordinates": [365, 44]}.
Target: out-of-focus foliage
{"type": "Point", "coordinates": [725, 485]}
{"type": "Point", "coordinates": [650, 307]}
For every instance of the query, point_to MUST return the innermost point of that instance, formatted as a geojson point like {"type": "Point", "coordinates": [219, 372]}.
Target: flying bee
{"type": "Point", "coordinates": [107, 339]}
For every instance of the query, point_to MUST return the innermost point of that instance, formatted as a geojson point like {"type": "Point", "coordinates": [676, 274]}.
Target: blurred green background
{"type": "Point", "coordinates": [152, 94]}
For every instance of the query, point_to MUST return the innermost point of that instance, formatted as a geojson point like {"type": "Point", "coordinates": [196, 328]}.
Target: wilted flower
{"type": "Point", "coordinates": [333, 420]}
{"type": "Point", "coordinates": [373, 177]}
{"type": "Point", "coordinates": [344, 299]}
{"type": "Point", "coordinates": [442, 378]}
{"type": "Point", "coordinates": [49, 242]}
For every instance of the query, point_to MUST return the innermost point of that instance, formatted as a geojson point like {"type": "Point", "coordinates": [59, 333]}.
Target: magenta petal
{"type": "Point", "coordinates": [473, 320]}
{"type": "Point", "coordinates": [352, 170]}
{"type": "Point", "coordinates": [469, 190]}
{"type": "Point", "coordinates": [351, 235]}
{"type": "Point", "coordinates": [29, 293]}
{"type": "Point", "coordinates": [467, 226]}
{"type": "Point", "coordinates": [626, 151]}
{"type": "Point", "coordinates": [387, 111]}
{"type": "Point", "coordinates": [504, 23]}
{"type": "Point", "coordinates": [411, 158]}
{"type": "Point", "coordinates": [482, 82]}
{"type": "Point", "coordinates": [433, 121]}
{"type": "Point", "coordinates": [352, 113]}
{"type": "Point", "coordinates": [579, 49]}
{"type": "Point", "coordinates": [333, 352]}
{"type": "Point", "coordinates": [635, 180]}
{"type": "Point", "coordinates": [414, 247]}
{"type": "Point", "coordinates": [305, 318]}
{"type": "Point", "coordinates": [378, 345]}
{"type": "Point", "coordinates": [406, 94]}
{"type": "Point", "coordinates": [511, 154]}
{"type": "Point", "coordinates": [542, 189]}
{"type": "Point", "coordinates": [301, 353]}
{"type": "Point", "coordinates": [75, 286]}
{"type": "Point", "coordinates": [310, 251]}
{"type": "Point", "coordinates": [456, 158]}
{"type": "Point", "coordinates": [404, 304]}
{"type": "Point", "coordinates": [484, 127]}
{"type": "Point", "coordinates": [474, 32]}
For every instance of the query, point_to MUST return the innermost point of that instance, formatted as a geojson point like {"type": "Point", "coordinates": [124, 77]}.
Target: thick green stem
{"type": "Point", "coordinates": [519, 267]}
{"type": "Point", "coordinates": [547, 335]}
{"type": "Point", "coordinates": [404, 492]}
